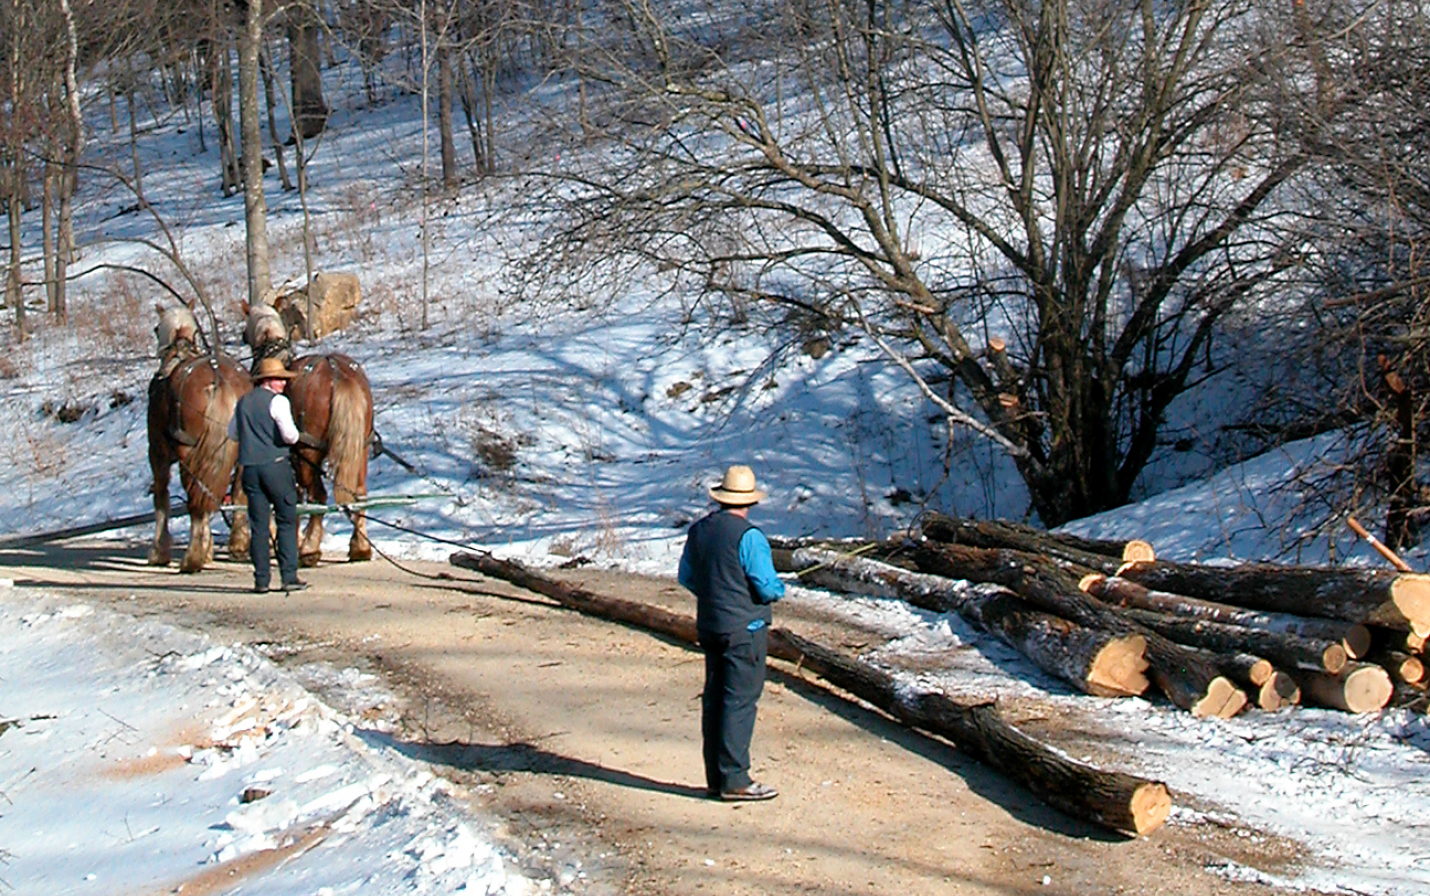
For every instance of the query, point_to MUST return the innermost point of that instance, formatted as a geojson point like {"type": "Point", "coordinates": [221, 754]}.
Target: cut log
{"type": "Point", "coordinates": [1360, 687]}
{"type": "Point", "coordinates": [1112, 799]}
{"type": "Point", "coordinates": [1284, 651]}
{"type": "Point", "coordinates": [1402, 666]}
{"type": "Point", "coordinates": [1187, 680]}
{"type": "Point", "coordinates": [1414, 642]}
{"type": "Point", "coordinates": [1354, 639]}
{"type": "Point", "coordinates": [1138, 551]}
{"type": "Point", "coordinates": [1369, 596]}
{"type": "Point", "coordinates": [1244, 668]}
{"type": "Point", "coordinates": [1115, 800]}
{"type": "Point", "coordinates": [1103, 557]}
{"type": "Point", "coordinates": [1278, 692]}
{"type": "Point", "coordinates": [1096, 662]}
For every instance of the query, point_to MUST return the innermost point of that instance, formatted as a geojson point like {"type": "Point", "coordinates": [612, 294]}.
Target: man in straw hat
{"type": "Point", "coordinates": [263, 427]}
{"type": "Point", "coordinates": [727, 565]}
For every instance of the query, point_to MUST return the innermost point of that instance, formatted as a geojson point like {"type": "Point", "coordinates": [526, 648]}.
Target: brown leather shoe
{"type": "Point", "coordinates": [749, 793]}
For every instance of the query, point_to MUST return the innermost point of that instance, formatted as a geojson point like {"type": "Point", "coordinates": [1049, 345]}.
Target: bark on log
{"type": "Point", "coordinates": [1187, 679]}
{"type": "Point", "coordinates": [1402, 666]}
{"type": "Point", "coordinates": [1100, 663]}
{"type": "Point", "coordinates": [1115, 800]}
{"type": "Point", "coordinates": [1360, 687]}
{"type": "Point", "coordinates": [1285, 651]}
{"type": "Point", "coordinates": [1353, 638]}
{"type": "Point", "coordinates": [1097, 662]}
{"type": "Point", "coordinates": [1278, 692]}
{"type": "Point", "coordinates": [1368, 596]}
{"type": "Point", "coordinates": [1102, 556]}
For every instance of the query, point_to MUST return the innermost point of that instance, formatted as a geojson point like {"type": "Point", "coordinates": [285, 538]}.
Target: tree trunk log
{"type": "Point", "coordinates": [1284, 651]}
{"type": "Point", "coordinates": [1187, 680]}
{"type": "Point", "coordinates": [1094, 661]}
{"type": "Point", "coordinates": [1353, 638]}
{"type": "Point", "coordinates": [1368, 596]}
{"type": "Point", "coordinates": [1103, 556]}
{"type": "Point", "coordinates": [1097, 662]}
{"type": "Point", "coordinates": [1359, 687]}
{"type": "Point", "coordinates": [1114, 800]}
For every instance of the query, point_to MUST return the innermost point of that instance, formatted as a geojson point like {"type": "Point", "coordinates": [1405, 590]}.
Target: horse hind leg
{"type": "Point", "coordinates": [310, 482]}
{"type": "Point", "coordinates": [201, 544]}
{"type": "Point", "coordinates": [240, 538]}
{"type": "Point", "coordinates": [359, 548]}
{"type": "Point", "coordinates": [161, 548]}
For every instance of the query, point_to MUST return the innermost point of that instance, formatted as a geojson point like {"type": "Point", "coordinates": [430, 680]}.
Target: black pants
{"type": "Point", "coordinates": [272, 485]}
{"type": "Point", "coordinates": [734, 678]}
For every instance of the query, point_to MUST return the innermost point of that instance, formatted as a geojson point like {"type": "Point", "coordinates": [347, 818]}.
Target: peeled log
{"type": "Point", "coordinates": [1353, 638]}
{"type": "Point", "coordinates": [1360, 687]}
{"type": "Point", "coordinates": [1369, 596]}
{"type": "Point", "coordinates": [1115, 800]}
{"type": "Point", "coordinates": [1187, 680]}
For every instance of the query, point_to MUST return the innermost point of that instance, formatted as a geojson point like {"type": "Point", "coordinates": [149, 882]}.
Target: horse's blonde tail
{"type": "Point", "coordinates": [349, 427]}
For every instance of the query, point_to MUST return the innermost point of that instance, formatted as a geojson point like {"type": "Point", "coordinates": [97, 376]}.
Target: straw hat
{"type": "Point", "coordinates": [271, 369]}
{"type": "Point", "coordinates": [737, 489]}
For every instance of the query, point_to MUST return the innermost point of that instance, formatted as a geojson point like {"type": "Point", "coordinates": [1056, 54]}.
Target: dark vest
{"type": "Point", "coordinates": [259, 441]}
{"type": "Point", "coordinates": [725, 601]}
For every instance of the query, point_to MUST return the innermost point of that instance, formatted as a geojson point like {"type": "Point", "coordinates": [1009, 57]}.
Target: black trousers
{"type": "Point", "coordinates": [272, 486]}
{"type": "Point", "coordinates": [734, 678]}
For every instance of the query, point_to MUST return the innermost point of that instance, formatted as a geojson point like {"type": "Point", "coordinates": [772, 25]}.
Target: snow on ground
{"type": "Point", "coordinates": [135, 756]}
{"type": "Point", "coordinates": [542, 433]}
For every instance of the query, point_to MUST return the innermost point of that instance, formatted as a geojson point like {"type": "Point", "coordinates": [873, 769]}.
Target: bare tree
{"type": "Point", "coordinates": [1054, 205]}
{"type": "Point", "coordinates": [255, 207]}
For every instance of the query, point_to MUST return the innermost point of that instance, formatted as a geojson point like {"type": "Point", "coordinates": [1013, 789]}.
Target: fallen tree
{"type": "Point", "coordinates": [1103, 556]}
{"type": "Point", "coordinates": [1111, 799]}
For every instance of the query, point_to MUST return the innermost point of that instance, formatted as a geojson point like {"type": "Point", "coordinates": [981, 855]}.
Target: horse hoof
{"type": "Point", "coordinates": [307, 560]}
{"type": "Point", "coordinates": [188, 567]}
{"type": "Point", "coordinates": [157, 559]}
{"type": "Point", "coordinates": [359, 555]}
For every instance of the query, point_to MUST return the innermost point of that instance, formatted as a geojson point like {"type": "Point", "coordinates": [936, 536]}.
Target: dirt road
{"type": "Point", "coordinates": [582, 738]}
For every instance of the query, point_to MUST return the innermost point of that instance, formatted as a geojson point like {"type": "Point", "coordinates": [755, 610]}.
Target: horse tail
{"type": "Point", "coordinates": [210, 464]}
{"type": "Point", "coordinates": [349, 429]}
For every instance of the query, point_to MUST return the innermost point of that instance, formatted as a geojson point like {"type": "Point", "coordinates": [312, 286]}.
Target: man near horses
{"type": "Point", "coordinates": [264, 428]}
{"type": "Point", "coordinates": [727, 564]}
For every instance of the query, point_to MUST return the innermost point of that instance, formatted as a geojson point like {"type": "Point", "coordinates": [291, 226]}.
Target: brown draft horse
{"type": "Point", "coordinates": [332, 406]}
{"type": "Point", "coordinates": [191, 400]}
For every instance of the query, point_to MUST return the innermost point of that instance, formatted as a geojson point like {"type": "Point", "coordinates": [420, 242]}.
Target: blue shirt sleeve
{"type": "Point", "coordinates": [686, 574]}
{"type": "Point", "coordinates": [759, 566]}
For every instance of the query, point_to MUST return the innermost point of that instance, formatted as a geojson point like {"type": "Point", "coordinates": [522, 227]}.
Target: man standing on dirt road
{"type": "Point", "coordinates": [263, 426]}
{"type": "Point", "coordinates": [727, 564]}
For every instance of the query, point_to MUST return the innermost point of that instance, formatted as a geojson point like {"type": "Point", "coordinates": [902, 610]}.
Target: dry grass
{"type": "Point", "coordinates": [118, 320]}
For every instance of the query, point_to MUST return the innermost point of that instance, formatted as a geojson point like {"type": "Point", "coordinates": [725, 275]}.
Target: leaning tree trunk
{"type": "Point", "coordinates": [1114, 800]}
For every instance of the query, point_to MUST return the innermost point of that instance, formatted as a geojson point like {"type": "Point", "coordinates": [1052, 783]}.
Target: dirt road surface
{"type": "Point", "coordinates": [581, 738]}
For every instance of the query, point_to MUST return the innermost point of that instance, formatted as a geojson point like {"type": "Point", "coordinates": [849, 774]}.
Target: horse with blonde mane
{"type": "Point", "coordinates": [191, 398]}
{"type": "Point", "coordinates": [332, 406]}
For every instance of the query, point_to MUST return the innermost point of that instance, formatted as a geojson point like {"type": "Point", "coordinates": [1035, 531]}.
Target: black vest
{"type": "Point", "coordinates": [725, 602]}
{"type": "Point", "coordinates": [259, 441]}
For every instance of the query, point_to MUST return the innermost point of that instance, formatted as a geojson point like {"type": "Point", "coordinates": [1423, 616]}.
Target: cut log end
{"type": "Point", "coordinates": [1222, 701]}
{"type": "Point", "coordinates": [1356, 642]}
{"type": "Point", "coordinates": [1410, 593]}
{"type": "Point", "coordinates": [1089, 583]}
{"type": "Point", "coordinates": [1119, 669]}
{"type": "Point", "coordinates": [1138, 551]}
{"type": "Point", "coordinates": [1333, 658]}
{"type": "Point", "coordinates": [1151, 806]}
{"type": "Point", "coordinates": [1261, 672]}
{"type": "Point", "coordinates": [1367, 689]}
{"type": "Point", "coordinates": [1278, 692]}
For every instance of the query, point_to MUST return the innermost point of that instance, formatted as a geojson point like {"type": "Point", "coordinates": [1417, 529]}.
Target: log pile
{"type": "Point", "coordinates": [1110, 619]}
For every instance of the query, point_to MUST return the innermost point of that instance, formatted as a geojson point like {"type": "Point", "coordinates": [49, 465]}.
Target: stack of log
{"type": "Point", "coordinates": [1112, 620]}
